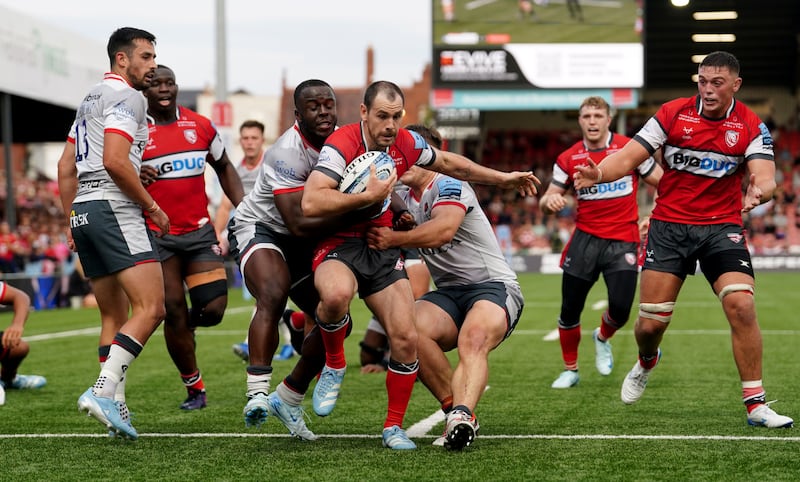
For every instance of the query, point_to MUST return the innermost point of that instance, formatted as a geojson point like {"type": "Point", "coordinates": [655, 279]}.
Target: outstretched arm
{"type": "Point", "coordinates": [460, 167]}
{"type": "Point", "coordinates": [762, 183]}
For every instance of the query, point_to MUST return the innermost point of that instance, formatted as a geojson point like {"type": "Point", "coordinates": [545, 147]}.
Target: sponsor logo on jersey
{"type": "Point", "coordinates": [94, 184]}
{"type": "Point", "coordinates": [608, 190]}
{"type": "Point", "coordinates": [766, 137]}
{"type": "Point", "coordinates": [449, 188]}
{"type": "Point", "coordinates": [123, 111]}
{"type": "Point", "coordinates": [687, 161]}
{"type": "Point", "coordinates": [190, 135]}
{"type": "Point", "coordinates": [441, 249]}
{"type": "Point", "coordinates": [197, 163]}
{"type": "Point", "coordinates": [283, 169]}
{"type": "Point", "coordinates": [419, 141]}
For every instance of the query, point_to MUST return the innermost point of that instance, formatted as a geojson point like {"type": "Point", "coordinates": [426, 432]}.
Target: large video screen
{"type": "Point", "coordinates": [541, 44]}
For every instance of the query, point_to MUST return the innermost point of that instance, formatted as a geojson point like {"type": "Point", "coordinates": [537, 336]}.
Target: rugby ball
{"type": "Point", "coordinates": [356, 174]}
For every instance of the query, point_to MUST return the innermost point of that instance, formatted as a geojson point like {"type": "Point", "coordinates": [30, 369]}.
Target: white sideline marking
{"type": "Point", "coordinates": [424, 426]}
{"type": "Point", "coordinates": [64, 334]}
{"type": "Point", "coordinates": [735, 438]}
{"type": "Point", "coordinates": [96, 331]}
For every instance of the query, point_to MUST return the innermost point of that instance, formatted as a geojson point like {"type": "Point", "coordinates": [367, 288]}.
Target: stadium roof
{"type": "Point", "coordinates": [47, 72]}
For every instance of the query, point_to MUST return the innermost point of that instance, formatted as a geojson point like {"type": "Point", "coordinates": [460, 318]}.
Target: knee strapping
{"type": "Point", "coordinates": [735, 287]}
{"type": "Point", "coordinates": [657, 311]}
{"type": "Point", "coordinates": [200, 297]}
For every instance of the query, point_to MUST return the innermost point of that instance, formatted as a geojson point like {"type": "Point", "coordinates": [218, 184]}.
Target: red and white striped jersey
{"type": "Point", "coordinates": [704, 160]}
{"type": "Point", "coordinates": [607, 210]}
{"type": "Point", "coordinates": [178, 151]}
{"type": "Point", "coordinates": [348, 142]}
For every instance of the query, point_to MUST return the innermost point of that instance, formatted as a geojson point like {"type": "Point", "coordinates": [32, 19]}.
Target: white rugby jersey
{"type": "Point", "coordinates": [473, 255]}
{"type": "Point", "coordinates": [111, 106]}
{"type": "Point", "coordinates": [285, 168]}
{"type": "Point", "coordinates": [248, 175]}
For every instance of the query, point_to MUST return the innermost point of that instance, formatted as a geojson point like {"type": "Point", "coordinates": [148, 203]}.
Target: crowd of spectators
{"type": "Point", "coordinates": [37, 246]}
{"type": "Point", "coordinates": [36, 249]}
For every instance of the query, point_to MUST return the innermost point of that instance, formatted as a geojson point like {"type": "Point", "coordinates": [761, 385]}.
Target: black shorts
{"type": "Point", "coordinates": [586, 256]}
{"type": "Point", "coordinates": [199, 245]}
{"type": "Point", "coordinates": [374, 269]}
{"type": "Point", "coordinates": [296, 252]}
{"type": "Point", "coordinates": [676, 248]}
{"type": "Point", "coordinates": [456, 301]}
{"type": "Point", "coordinates": [110, 236]}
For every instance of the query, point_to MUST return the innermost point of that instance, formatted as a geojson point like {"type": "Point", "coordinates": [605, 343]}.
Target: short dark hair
{"type": "Point", "coordinates": [298, 91]}
{"type": "Point", "coordinates": [252, 123]}
{"type": "Point", "coordinates": [430, 134]}
{"type": "Point", "coordinates": [390, 89]}
{"type": "Point", "coordinates": [122, 40]}
{"type": "Point", "coordinates": [722, 59]}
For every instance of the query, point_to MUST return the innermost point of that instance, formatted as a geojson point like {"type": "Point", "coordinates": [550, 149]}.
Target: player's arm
{"type": "Point", "coordinates": [437, 231]}
{"type": "Point", "coordinates": [21, 303]}
{"type": "Point", "coordinates": [228, 178]}
{"type": "Point", "coordinates": [614, 166]}
{"type": "Point", "coordinates": [67, 178]}
{"type": "Point", "coordinates": [223, 214]}
{"type": "Point", "coordinates": [116, 162]}
{"type": "Point", "coordinates": [321, 196]}
{"type": "Point", "coordinates": [460, 167]}
{"type": "Point", "coordinates": [298, 224]}
{"type": "Point", "coordinates": [654, 177]}
{"type": "Point", "coordinates": [68, 184]}
{"type": "Point", "coordinates": [762, 183]}
{"type": "Point", "coordinates": [553, 199]}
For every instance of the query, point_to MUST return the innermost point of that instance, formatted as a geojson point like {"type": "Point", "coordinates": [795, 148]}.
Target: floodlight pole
{"type": "Point", "coordinates": [221, 90]}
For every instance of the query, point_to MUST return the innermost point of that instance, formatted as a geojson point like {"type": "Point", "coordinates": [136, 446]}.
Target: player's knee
{"type": "Point", "coordinates": [618, 315]}
{"type": "Point", "coordinates": [567, 322]}
{"type": "Point", "coordinates": [208, 303]}
{"type": "Point", "coordinates": [337, 301]}
{"type": "Point", "coordinates": [661, 312]}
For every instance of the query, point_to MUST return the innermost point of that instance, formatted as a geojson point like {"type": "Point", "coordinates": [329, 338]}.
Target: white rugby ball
{"type": "Point", "coordinates": [356, 174]}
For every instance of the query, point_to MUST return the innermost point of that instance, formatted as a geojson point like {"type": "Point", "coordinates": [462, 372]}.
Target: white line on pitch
{"type": "Point", "coordinates": [734, 438]}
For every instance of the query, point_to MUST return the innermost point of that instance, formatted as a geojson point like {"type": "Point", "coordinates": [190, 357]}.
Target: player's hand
{"type": "Point", "coordinates": [379, 237]}
{"type": "Point", "coordinates": [160, 218]}
{"type": "Point", "coordinates": [378, 190]}
{"type": "Point", "coordinates": [587, 175]}
{"type": "Point", "coordinates": [11, 336]}
{"type": "Point", "coordinates": [373, 368]}
{"type": "Point", "coordinates": [554, 203]}
{"type": "Point", "coordinates": [752, 197]}
{"type": "Point", "coordinates": [70, 241]}
{"type": "Point", "coordinates": [148, 175]}
{"type": "Point", "coordinates": [644, 226]}
{"type": "Point", "coordinates": [224, 244]}
{"type": "Point", "coordinates": [403, 221]}
{"type": "Point", "coordinates": [525, 182]}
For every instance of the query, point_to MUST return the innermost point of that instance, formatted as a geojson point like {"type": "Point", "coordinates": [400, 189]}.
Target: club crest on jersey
{"type": "Point", "coordinates": [630, 258]}
{"type": "Point", "coordinates": [190, 135]}
{"type": "Point", "coordinates": [731, 138]}
{"type": "Point", "coordinates": [735, 237]}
